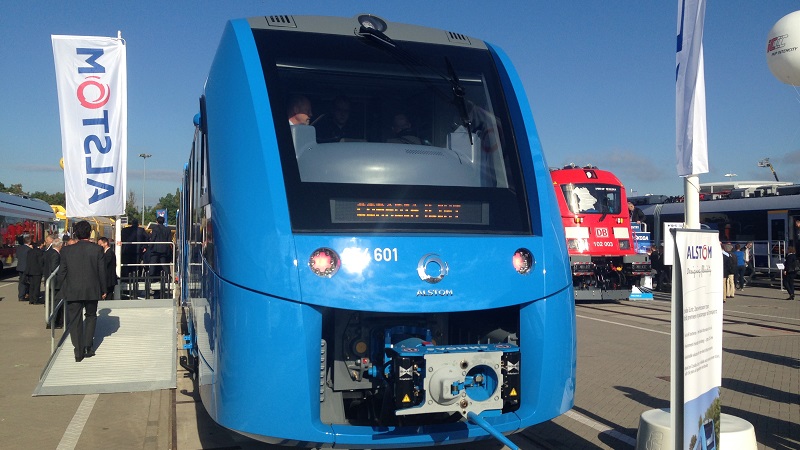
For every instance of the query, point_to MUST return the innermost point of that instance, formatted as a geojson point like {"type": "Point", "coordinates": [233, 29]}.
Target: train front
{"type": "Point", "coordinates": [605, 265]}
{"type": "Point", "coordinates": [382, 258]}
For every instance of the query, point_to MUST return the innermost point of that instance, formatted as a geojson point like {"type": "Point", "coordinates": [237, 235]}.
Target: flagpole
{"type": "Point", "coordinates": [691, 201]}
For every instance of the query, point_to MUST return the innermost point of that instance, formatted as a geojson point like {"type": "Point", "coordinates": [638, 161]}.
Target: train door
{"type": "Point", "coordinates": [778, 229]}
{"type": "Point", "coordinates": [778, 233]}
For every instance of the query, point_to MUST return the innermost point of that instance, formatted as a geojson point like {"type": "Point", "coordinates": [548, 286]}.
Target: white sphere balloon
{"type": "Point", "coordinates": [783, 49]}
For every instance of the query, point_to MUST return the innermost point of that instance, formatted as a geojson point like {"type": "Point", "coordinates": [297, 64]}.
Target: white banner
{"type": "Point", "coordinates": [690, 90]}
{"type": "Point", "coordinates": [91, 74]}
{"type": "Point", "coordinates": [698, 348]}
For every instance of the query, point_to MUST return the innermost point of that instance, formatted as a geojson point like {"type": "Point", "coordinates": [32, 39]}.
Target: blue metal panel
{"type": "Point", "coordinates": [242, 141]}
{"type": "Point", "coordinates": [480, 273]}
{"type": "Point", "coordinates": [544, 207]}
{"type": "Point", "coordinates": [268, 362]}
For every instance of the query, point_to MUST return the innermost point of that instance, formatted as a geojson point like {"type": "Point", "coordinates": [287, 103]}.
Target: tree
{"type": "Point", "coordinates": [13, 189]}
{"type": "Point", "coordinates": [130, 207]}
{"type": "Point", "coordinates": [52, 199]}
{"type": "Point", "coordinates": [171, 203]}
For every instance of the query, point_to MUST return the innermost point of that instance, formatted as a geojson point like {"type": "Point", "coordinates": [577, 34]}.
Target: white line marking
{"type": "Point", "coordinates": [762, 315]}
{"type": "Point", "coordinates": [73, 432]}
{"type": "Point", "coordinates": [601, 428]}
{"type": "Point", "coordinates": [7, 284]}
{"type": "Point", "coordinates": [623, 325]}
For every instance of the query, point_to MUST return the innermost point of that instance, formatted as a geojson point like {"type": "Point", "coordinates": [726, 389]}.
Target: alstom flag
{"type": "Point", "coordinates": [690, 90]}
{"type": "Point", "coordinates": [91, 74]}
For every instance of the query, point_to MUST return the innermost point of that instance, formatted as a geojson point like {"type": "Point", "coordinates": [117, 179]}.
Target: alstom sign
{"type": "Point", "coordinates": [92, 92]}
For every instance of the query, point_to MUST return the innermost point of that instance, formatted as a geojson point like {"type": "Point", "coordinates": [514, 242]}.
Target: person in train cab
{"type": "Point", "coordinates": [403, 131]}
{"type": "Point", "coordinates": [23, 245]}
{"type": "Point", "coordinates": [636, 215]}
{"type": "Point", "coordinates": [34, 269]}
{"type": "Point", "coordinates": [52, 258]}
{"type": "Point", "coordinates": [82, 276]}
{"type": "Point", "coordinates": [336, 125]}
{"type": "Point", "coordinates": [790, 268]}
{"type": "Point", "coordinates": [299, 110]}
{"type": "Point", "coordinates": [110, 261]}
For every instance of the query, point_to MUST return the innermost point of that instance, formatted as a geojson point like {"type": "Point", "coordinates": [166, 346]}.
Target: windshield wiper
{"type": "Point", "coordinates": [458, 98]}
{"type": "Point", "coordinates": [459, 93]}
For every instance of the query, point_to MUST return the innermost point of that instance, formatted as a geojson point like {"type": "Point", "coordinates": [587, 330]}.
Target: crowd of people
{"type": "Point", "coordinates": [85, 272]}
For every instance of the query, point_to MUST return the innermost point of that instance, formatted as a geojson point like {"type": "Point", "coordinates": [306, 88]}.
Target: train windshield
{"type": "Point", "coordinates": [408, 137]}
{"type": "Point", "coordinates": [592, 198]}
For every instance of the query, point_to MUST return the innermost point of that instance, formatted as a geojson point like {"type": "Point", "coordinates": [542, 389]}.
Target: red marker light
{"type": "Point", "coordinates": [324, 262]}
{"type": "Point", "coordinates": [522, 261]}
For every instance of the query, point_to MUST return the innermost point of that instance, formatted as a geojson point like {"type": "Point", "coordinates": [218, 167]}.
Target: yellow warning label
{"type": "Point", "coordinates": [513, 392]}
{"type": "Point", "coordinates": [406, 399]}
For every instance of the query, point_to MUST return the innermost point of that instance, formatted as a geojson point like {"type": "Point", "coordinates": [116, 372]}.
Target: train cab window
{"type": "Point", "coordinates": [592, 198]}
{"type": "Point", "coordinates": [376, 137]}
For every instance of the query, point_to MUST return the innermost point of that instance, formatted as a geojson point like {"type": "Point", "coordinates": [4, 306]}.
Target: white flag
{"type": "Point", "coordinates": [690, 90]}
{"type": "Point", "coordinates": [91, 75]}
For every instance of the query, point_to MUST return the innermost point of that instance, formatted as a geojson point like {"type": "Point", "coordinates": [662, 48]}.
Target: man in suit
{"type": "Point", "coordinates": [82, 276]}
{"type": "Point", "coordinates": [34, 269]}
{"type": "Point", "coordinates": [23, 245]}
{"type": "Point", "coordinates": [110, 262]}
{"type": "Point", "coordinates": [52, 259]}
{"type": "Point", "coordinates": [132, 253]}
{"type": "Point", "coordinates": [160, 250]}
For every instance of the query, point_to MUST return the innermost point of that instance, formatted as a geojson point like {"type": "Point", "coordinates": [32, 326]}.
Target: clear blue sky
{"type": "Point", "coordinates": [599, 75]}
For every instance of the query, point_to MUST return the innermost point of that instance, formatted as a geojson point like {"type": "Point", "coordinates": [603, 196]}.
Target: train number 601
{"type": "Point", "coordinates": [385, 254]}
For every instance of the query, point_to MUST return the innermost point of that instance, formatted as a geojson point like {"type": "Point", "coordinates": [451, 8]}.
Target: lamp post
{"type": "Point", "coordinates": [144, 157]}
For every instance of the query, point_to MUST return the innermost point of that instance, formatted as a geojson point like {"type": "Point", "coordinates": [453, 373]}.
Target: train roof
{"type": "Point", "coordinates": [773, 202]}
{"type": "Point", "coordinates": [27, 207]}
{"type": "Point", "coordinates": [575, 174]}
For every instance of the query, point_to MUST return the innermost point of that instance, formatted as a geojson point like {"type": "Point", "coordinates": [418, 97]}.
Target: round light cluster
{"type": "Point", "coordinates": [522, 261]}
{"type": "Point", "coordinates": [324, 262]}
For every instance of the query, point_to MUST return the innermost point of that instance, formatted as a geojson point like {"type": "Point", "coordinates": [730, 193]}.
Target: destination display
{"type": "Point", "coordinates": [418, 211]}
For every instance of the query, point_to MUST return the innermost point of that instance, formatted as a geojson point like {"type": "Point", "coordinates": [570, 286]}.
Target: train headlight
{"type": "Point", "coordinates": [324, 262]}
{"type": "Point", "coordinates": [523, 261]}
{"type": "Point", "coordinates": [624, 244]}
{"type": "Point", "coordinates": [577, 219]}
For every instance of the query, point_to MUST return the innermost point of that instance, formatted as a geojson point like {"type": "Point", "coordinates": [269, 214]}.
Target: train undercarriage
{"type": "Point", "coordinates": [607, 278]}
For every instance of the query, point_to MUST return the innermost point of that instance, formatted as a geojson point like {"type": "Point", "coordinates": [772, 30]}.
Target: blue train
{"type": "Point", "coordinates": [371, 252]}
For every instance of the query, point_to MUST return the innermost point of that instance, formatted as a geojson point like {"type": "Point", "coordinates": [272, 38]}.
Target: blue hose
{"type": "Point", "coordinates": [474, 418]}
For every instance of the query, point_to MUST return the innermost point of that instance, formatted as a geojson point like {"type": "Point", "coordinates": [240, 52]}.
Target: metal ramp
{"type": "Point", "coordinates": [136, 351]}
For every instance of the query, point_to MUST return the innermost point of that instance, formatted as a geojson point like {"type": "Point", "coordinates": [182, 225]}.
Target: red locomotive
{"type": "Point", "coordinates": [593, 205]}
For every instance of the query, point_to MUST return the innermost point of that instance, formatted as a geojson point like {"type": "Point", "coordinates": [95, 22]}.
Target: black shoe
{"type": "Point", "coordinates": [78, 355]}
{"type": "Point", "coordinates": [88, 352]}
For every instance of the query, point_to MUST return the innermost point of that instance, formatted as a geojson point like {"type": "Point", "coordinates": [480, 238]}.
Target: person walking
{"type": "Point", "coordinates": [741, 263]}
{"type": "Point", "coordinates": [82, 276]}
{"type": "Point", "coordinates": [790, 271]}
